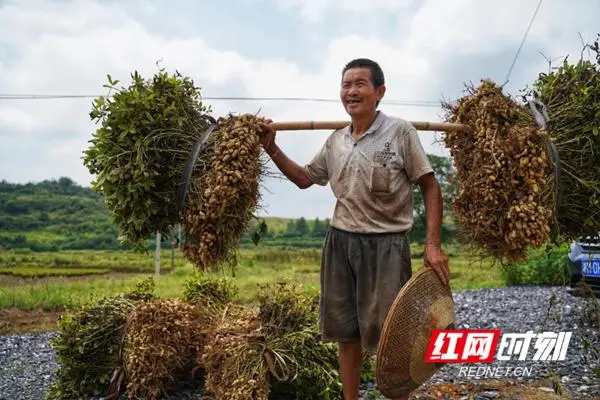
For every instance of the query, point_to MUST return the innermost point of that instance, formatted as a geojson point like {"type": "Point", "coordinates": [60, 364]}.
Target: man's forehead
{"type": "Point", "coordinates": [355, 74]}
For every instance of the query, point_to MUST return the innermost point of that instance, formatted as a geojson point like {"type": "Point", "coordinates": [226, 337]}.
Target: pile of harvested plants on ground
{"type": "Point", "coordinates": [88, 344]}
{"type": "Point", "coordinates": [162, 342]}
{"type": "Point", "coordinates": [154, 347]}
{"type": "Point", "coordinates": [273, 351]}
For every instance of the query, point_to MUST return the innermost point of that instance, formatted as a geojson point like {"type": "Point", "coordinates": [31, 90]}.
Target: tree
{"type": "Point", "coordinates": [444, 170]}
{"type": "Point", "coordinates": [291, 227]}
{"type": "Point", "coordinates": [65, 183]}
{"type": "Point", "coordinates": [301, 226]}
{"type": "Point", "coordinates": [317, 227]}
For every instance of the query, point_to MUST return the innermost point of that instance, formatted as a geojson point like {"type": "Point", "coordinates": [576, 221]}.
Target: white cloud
{"type": "Point", "coordinates": [69, 46]}
{"type": "Point", "coordinates": [312, 10]}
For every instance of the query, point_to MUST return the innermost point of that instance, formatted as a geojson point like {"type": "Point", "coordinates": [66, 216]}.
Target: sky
{"type": "Point", "coordinates": [428, 50]}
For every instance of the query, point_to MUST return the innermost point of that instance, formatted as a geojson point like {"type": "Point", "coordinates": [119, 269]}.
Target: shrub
{"type": "Point", "coordinates": [206, 290]}
{"type": "Point", "coordinates": [544, 266]}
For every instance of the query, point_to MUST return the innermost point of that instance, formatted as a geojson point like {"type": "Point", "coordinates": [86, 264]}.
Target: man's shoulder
{"type": "Point", "coordinates": [341, 131]}
{"type": "Point", "coordinates": [337, 134]}
{"type": "Point", "coordinates": [398, 125]}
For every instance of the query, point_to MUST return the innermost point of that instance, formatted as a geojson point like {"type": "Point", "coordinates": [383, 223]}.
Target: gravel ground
{"type": "Point", "coordinates": [27, 362]}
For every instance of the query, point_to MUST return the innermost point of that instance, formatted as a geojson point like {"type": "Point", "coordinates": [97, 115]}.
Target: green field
{"type": "Point", "coordinates": [59, 250]}
{"type": "Point", "coordinates": [111, 260]}
{"type": "Point", "coordinates": [60, 285]}
{"type": "Point", "coordinates": [46, 272]}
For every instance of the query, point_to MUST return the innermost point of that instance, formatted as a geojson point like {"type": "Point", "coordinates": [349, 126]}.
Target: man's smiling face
{"type": "Point", "coordinates": [358, 94]}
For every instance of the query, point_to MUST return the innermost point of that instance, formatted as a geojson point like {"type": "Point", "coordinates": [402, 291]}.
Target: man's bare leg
{"type": "Point", "coordinates": [350, 362]}
{"type": "Point", "coordinates": [350, 357]}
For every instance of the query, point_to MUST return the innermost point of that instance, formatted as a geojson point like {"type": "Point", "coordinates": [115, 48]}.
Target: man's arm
{"type": "Point", "coordinates": [293, 171]}
{"type": "Point", "coordinates": [419, 171]}
{"type": "Point", "coordinates": [299, 175]}
{"type": "Point", "coordinates": [432, 197]}
{"type": "Point", "coordinates": [434, 256]}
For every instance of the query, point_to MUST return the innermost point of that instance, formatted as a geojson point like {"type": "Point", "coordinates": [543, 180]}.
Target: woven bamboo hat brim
{"type": "Point", "coordinates": [423, 305]}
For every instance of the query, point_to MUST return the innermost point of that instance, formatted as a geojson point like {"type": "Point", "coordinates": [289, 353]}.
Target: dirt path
{"type": "Point", "coordinates": [494, 389]}
{"type": "Point", "coordinates": [10, 281]}
{"type": "Point", "coordinates": [14, 321]}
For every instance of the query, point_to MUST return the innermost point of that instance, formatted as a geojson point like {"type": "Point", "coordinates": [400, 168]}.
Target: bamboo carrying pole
{"type": "Point", "coordinates": [320, 125]}
{"type": "Point", "coordinates": [300, 126]}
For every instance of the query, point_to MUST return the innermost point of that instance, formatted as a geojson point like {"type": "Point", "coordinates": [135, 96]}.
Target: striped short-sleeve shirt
{"type": "Point", "coordinates": [372, 177]}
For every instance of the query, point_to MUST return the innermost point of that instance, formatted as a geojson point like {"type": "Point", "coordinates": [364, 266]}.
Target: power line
{"type": "Point", "coordinates": [522, 41]}
{"type": "Point", "coordinates": [418, 103]}
{"type": "Point", "coordinates": [415, 103]}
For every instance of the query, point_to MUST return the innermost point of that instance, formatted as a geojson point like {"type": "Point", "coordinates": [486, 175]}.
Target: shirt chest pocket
{"type": "Point", "coordinates": [382, 176]}
{"type": "Point", "coordinates": [379, 182]}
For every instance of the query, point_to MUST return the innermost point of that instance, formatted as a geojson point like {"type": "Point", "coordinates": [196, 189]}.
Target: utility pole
{"type": "Point", "coordinates": [157, 254]}
{"type": "Point", "coordinates": [179, 234]}
{"type": "Point", "coordinates": [174, 243]}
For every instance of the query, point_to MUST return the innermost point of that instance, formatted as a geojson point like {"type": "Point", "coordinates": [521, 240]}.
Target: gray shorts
{"type": "Point", "coordinates": [361, 275]}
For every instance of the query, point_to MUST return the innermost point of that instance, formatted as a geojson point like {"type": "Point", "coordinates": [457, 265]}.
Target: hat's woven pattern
{"type": "Point", "coordinates": [423, 305]}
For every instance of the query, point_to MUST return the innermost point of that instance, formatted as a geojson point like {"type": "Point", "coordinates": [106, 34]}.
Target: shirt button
{"type": "Point", "coordinates": [355, 144]}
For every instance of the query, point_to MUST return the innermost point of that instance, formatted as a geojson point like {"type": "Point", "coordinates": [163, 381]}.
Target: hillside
{"type": "Point", "coordinates": [60, 215]}
{"type": "Point", "coordinates": [55, 215]}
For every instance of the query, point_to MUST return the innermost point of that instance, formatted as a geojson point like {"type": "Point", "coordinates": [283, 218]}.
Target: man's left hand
{"type": "Point", "coordinates": [435, 258]}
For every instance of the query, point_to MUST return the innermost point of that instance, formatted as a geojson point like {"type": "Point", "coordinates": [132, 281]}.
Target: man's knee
{"type": "Point", "coordinates": [350, 350]}
{"type": "Point", "coordinates": [350, 344]}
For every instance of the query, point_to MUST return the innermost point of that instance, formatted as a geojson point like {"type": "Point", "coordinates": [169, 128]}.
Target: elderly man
{"type": "Point", "coordinates": [371, 166]}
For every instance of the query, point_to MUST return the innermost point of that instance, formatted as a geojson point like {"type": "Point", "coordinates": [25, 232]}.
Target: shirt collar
{"type": "Point", "coordinates": [374, 126]}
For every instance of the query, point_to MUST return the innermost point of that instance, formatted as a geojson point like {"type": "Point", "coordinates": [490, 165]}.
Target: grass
{"type": "Point", "coordinates": [115, 261]}
{"type": "Point", "coordinates": [44, 272]}
{"type": "Point", "coordinates": [55, 294]}
{"type": "Point", "coordinates": [255, 267]}
{"type": "Point", "coordinates": [43, 236]}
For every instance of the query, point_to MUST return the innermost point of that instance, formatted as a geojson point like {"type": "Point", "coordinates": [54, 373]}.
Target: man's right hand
{"type": "Point", "coordinates": [267, 138]}
{"type": "Point", "coordinates": [294, 172]}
